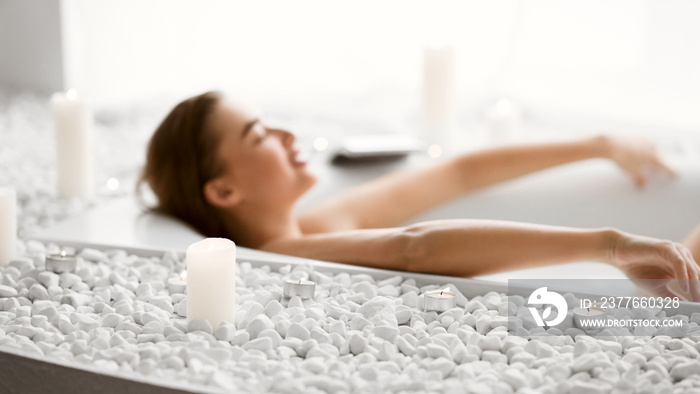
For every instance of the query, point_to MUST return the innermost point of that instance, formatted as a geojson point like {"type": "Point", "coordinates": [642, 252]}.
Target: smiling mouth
{"type": "Point", "coordinates": [299, 158]}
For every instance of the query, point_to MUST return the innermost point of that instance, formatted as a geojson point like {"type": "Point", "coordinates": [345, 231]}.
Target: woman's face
{"type": "Point", "coordinates": [260, 162]}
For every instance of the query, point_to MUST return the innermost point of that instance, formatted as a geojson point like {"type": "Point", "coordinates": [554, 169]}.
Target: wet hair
{"type": "Point", "coordinates": [182, 157]}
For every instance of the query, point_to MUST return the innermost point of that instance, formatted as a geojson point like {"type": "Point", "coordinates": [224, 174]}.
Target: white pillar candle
{"type": "Point", "coordinates": [8, 225]}
{"type": "Point", "coordinates": [438, 96]}
{"type": "Point", "coordinates": [440, 300]}
{"type": "Point", "coordinates": [211, 281]}
{"type": "Point", "coordinates": [74, 160]}
{"type": "Point", "coordinates": [305, 289]}
{"type": "Point", "coordinates": [588, 314]}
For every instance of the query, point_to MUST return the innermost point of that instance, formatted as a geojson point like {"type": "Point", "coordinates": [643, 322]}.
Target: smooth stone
{"type": "Point", "coordinates": [48, 279]}
{"type": "Point", "coordinates": [7, 291]}
{"type": "Point", "coordinates": [200, 325]}
{"type": "Point", "coordinates": [296, 330]}
{"type": "Point", "coordinates": [262, 344]}
{"type": "Point", "coordinates": [379, 310]}
{"type": "Point", "coordinates": [258, 324]}
{"type": "Point", "coordinates": [357, 344]}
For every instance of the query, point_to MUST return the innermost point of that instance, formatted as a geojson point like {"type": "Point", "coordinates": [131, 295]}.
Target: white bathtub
{"type": "Point", "coordinates": [592, 193]}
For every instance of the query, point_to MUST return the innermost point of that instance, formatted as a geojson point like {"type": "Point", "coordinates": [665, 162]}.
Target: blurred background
{"type": "Point", "coordinates": [629, 61]}
{"type": "Point", "coordinates": [321, 68]}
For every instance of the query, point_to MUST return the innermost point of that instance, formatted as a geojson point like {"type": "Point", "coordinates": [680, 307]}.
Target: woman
{"type": "Point", "coordinates": [213, 164]}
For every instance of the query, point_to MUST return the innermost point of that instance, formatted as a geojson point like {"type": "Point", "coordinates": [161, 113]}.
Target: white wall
{"type": "Point", "coordinates": [626, 60]}
{"type": "Point", "coordinates": [30, 45]}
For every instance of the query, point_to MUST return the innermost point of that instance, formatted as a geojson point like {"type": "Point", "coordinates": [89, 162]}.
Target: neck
{"type": "Point", "coordinates": [253, 228]}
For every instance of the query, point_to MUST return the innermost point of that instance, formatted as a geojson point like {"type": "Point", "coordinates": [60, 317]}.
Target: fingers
{"type": "Point", "coordinates": [682, 268]}
{"type": "Point", "coordinates": [693, 273]}
{"type": "Point", "coordinates": [686, 271]}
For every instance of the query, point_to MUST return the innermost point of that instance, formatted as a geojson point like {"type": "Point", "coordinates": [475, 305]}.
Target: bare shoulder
{"type": "Point", "coordinates": [326, 217]}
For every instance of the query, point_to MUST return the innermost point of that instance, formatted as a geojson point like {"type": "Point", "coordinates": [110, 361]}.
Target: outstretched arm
{"type": "Point", "coordinates": [477, 247]}
{"type": "Point", "coordinates": [395, 198]}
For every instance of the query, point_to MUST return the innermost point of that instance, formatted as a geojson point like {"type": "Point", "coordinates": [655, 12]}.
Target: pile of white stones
{"type": "Point", "coordinates": [356, 335]}
{"type": "Point", "coordinates": [28, 157]}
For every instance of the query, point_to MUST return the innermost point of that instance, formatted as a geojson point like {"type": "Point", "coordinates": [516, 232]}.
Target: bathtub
{"type": "Point", "coordinates": [591, 193]}
{"type": "Point", "coordinates": [588, 194]}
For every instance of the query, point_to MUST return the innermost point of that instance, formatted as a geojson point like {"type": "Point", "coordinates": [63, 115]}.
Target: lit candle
{"type": "Point", "coordinates": [178, 284]}
{"type": "Point", "coordinates": [590, 314]}
{"type": "Point", "coordinates": [8, 225]}
{"type": "Point", "coordinates": [440, 300]}
{"type": "Point", "coordinates": [61, 262]}
{"type": "Point", "coordinates": [438, 96]}
{"type": "Point", "coordinates": [73, 122]}
{"type": "Point", "coordinates": [211, 280]}
{"type": "Point", "coordinates": [305, 289]}
{"type": "Point", "coordinates": [503, 120]}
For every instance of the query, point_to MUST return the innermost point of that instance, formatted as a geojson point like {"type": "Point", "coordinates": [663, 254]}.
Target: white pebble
{"type": "Point", "coordinates": [379, 310]}
{"type": "Point", "coordinates": [200, 325]}
{"type": "Point", "coordinates": [296, 330]}
{"type": "Point", "coordinates": [258, 324]}
{"type": "Point", "coordinates": [366, 288]}
{"type": "Point", "coordinates": [437, 351]}
{"type": "Point", "coordinates": [225, 332]}
{"type": "Point", "coordinates": [489, 342]}
{"type": "Point", "coordinates": [48, 279]}
{"type": "Point", "coordinates": [68, 279]}
{"type": "Point", "coordinates": [483, 324]}
{"type": "Point", "coordinates": [357, 344]}
{"type": "Point", "coordinates": [273, 308]}
{"type": "Point", "coordinates": [685, 369]}
{"type": "Point", "coordinates": [262, 344]}
{"type": "Point", "coordinates": [181, 308]}
{"type": "Point", "coordinates": [386, 332]}
{"type": "Point", "coordinates": [7, 291]}
{"type": "Point", "coordinates": [38, 292]}
{"type": "Point", "coordinates": [75, 300]}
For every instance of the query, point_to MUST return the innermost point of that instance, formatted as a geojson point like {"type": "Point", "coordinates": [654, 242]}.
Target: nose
{"type": "Point", "coordinates": [287, 137]}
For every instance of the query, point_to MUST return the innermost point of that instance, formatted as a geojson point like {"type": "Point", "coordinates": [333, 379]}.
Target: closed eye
{"type": "Point", "coordinates": [260, 133]}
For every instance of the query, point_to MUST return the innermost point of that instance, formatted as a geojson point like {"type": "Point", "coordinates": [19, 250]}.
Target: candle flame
{"type": "Point", "coordinates": [63, 253]}
{"type": "Point", "coordinates": [183, 276]}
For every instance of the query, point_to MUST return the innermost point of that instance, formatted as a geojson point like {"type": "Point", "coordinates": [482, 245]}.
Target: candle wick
{"type": "Point", "coordinates": [588, 309]}
{"type": "Point", "coordinates": [441, 291]}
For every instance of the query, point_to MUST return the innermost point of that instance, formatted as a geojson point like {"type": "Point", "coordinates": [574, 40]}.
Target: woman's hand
{"type": "Point", "coordinates": [638, 157]}
{"type": "Point", "coordinates": [662, 262]}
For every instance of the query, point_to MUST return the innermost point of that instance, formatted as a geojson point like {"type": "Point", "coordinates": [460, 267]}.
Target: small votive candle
{"type": "Point", "coordinates": [440, 300]}
{"type": "Point", "coordinates": [61, 262]}
{"type": "Point", "coordinates": [590, 314]}
{"type": "Point", "coordinates": [178, 284]}
{"type": "Point", "coordinates": [305, 289]}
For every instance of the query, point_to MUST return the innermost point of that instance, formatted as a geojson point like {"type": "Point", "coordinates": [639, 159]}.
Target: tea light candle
{"type": "Point", "coordinates": [440, 300]}
{"type": "Point", "coordinates": [61, 262]}
{"type": "Point", "coordinates": [305, 289]}
{"type": "Point", "coordinates": [73, 122]}
{"type": "Point", "coordinates": [438, 95]}
{"type": "Point", "coordinates": [178, 284]}
{"type": "Point", "coordinates": [588, 314]}
{"type": "Point", "coordinates": [211, 280]}
{"type": "Point", "coordinates": [8, 225]}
